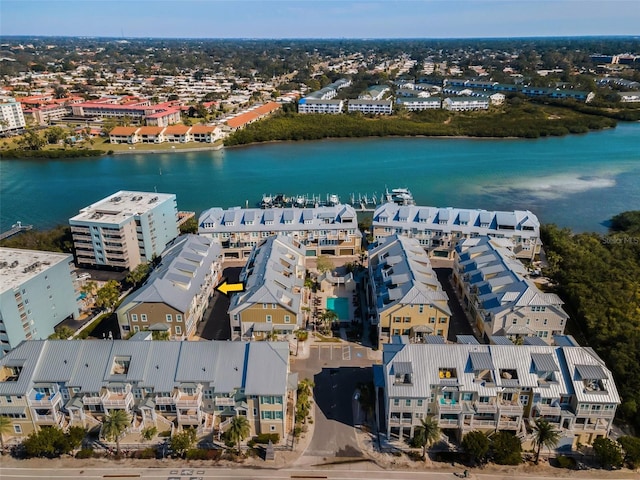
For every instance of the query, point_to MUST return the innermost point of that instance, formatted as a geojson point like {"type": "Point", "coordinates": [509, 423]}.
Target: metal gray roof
{"type": "Point", "coordinates": [467, 339]}
{"type": "Point", "coordinates": [591, 372]}
{"type": "Point", "coordinates": [403, 262]}
{"type": "Point", "coordinates": [273, 274]}
{"type": "Point", "coordinates": [500, 340]}
{"type": "Point", "coordinates": [179, 277]}
{"type": "Point", "coordinates": [544, 362]}
{"type": "Point", "coordinates": [401, 368]}
{"type": "Point", "coordinates": [481, 361]}
{"type": "Point", "coordinates": [260, 368]}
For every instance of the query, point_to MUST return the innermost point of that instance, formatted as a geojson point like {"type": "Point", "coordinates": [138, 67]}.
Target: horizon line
{"type": "Point", "coordinates": [528, 37]}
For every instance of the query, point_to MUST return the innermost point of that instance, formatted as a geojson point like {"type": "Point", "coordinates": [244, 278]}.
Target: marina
{"type": "Point", "coordinates": [359, 201]}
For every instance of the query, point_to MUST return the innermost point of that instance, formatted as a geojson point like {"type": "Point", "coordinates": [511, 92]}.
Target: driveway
{"type": "Point", "coordinates": [336, 369]}
{"type": "Point", "coordinates": [215, 325]}
{"type": "Point", "coordinates": [459, 322]}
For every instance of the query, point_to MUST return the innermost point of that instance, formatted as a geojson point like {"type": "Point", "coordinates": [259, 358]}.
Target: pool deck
{"type": "Point", "coordinates": [339, 291]}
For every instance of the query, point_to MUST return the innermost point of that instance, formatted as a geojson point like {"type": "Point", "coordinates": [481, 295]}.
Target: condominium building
{"type": "Point", "coordinates": [404, 295]}
{"type": "Point", "coordinates": [177, 293]}
{"type": "Point", "coordinates": [316, 105]}
{"type": "Point", "coordinates": [37, 292]}
{"type": "Point", "coordinates": [440, 229]}
{"type": "Point", "coordinates": [415, 104]}
{"type": "Point", "coordinates": [499, 296]}
{"type": "Point", "coordinates": [274, 295]}
{"type": "Point", "coordinates": [329, 230]}
{"type": "Point", "coordinates": [373, 107]}
{"type": "Point", "coordinates": [497, 388]}
{"type": "Point", "coordinates": [173, 134]}
{"type": "Point", "coordinates": [11, 116]}
{"type": "Point", "coordinates": [461, 104]}
{"type": "Point", "coordinates": [124, 229]}
{"type": "Point", "coordinates": [166, 385]}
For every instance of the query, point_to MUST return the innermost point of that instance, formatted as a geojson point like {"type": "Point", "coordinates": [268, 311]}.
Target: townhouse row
{"type": "Point", "coordinates": [171, 134]}
{"type": "Point", "coordinates": [490, 388]}
{"type": "Point", "coordinates": [166, 385]}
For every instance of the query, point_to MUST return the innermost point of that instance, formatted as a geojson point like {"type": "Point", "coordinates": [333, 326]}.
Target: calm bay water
{"type": "Point", "coordinates": [577, 181]}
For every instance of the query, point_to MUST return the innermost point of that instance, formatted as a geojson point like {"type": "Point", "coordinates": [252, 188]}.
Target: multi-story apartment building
{"type": "Point", "coordinates": [177, 293]}
{"type": "Point", "coordinates": [274, 295]}
{"type": "Point", "coordinates": [497, 388]}
{"type": "Point", "coordinates": [37, 292]}
{"type": "Point", "coordinates": [373, 107]}
{"type": "Point", "coordinates": [330, 230]}
{"type": "Point", "coordinates": [124, 229]}
{"type": "Point", "coordinates": [460, 104]}
{"type": "Point", "coordinates": [440, 229]}
{"type": "Point", "coordinates": [499, 296]}
{"type": "Point", "coordinates": [404, 294]}
{"type": "Point", "coordinates": [11, 116]}
{"type": "Point", "coordinates": [167, 385]}
{"type": "Point", "coordinates": [414, 104]}
{"type": "Point", "coordinates": [173, 134]}
{"type": "Point", "coordinates": [317, 105]}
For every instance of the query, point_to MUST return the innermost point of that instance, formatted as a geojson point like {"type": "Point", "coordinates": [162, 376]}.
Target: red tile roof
{"type": "Point", "coordinates": [254, 114]}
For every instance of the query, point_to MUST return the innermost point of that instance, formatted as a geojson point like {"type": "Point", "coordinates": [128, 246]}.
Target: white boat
{"type": "Point", "coordinates": [267, 201]}
{"type": "Point", "coordinates": [400, 196]}
{"type": "Point", "coordinates": [333, 200]}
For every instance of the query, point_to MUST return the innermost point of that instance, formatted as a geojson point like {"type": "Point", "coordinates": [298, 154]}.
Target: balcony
{"type": "Point", "coordinates": [550, 410]}
{"type": "Point", "coordinates": [448, 422]}
{"type": "Point", "coordinates": [188, 400]}
{"type": "Point", "coordinates": [508, 425]}
{"type": "Point", "coordinates": [514, 408]}
{"type": "Point", "coordinates": [189, 418]}
{"type": "Point", "coordinates": [483, 423]}
{"type": "Point", "coordinates": [91, 400]}
{"type": "Point", "coordinates": [224, 402]}
{"type": "Point", "coordinates": [44, 400]}
{"type": "Point", "coordinates": [164, 400]}
{"type": "Point", "coordinates": [47, 419]}
{"type": "Point", "coordinates": [449, 405]}
{"type": "Point", "coordinates": [484, 407]}
{"type": "Point", "coordinates": [117, 400]}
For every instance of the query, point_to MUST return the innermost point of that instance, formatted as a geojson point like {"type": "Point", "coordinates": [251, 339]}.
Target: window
{"type": "Point", "coordinates": [169, 318]}
{"type": "Point", "coordinates": [255, 412]}
{"type": "Point", "coordinates": [136, 328]}
{"type": "Point", "coordinates": [274, 306]}
{"type": "Point", "coordinates": [407, 319]}
{"type": "Point", "coordinates": [178, 330]}
{"type": "Point", "coordinates": [396, 402]}
{"type": "Point", "coordinates": [143, 317]}
{"type": "Point", "coordinates": [432, 319]}
{"type": "Point", "coordinates": [397, 319]}
{"type": "Point", "coordinates": [264, 305]}
{"type": "Point", "coordinates": [287, 319]}
{"type": "Point", "coordinates": [524, 400]}
{"type": "Point", "coordinates": [17, 429]}
{"type": "Point", "coordinates": [134, 317]}
{"type": "Point", "coordinates": [7, 399]}
{"type": "Point", "coordinates": [269, 318]}
{"type": "Point", "coordinates": [443, 319]}
{"type": "Point", "coordinates": [407, 402]}
{"type": "Point", "coordinates": [178, 317]}
{"type": "Point", "coordinates": [420, 308]}
{"type": "Point", "coordinates": [420, 402]}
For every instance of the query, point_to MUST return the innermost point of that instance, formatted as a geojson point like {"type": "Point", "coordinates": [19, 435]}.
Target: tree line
{"type": "Point", "coordinates": [598, 278]}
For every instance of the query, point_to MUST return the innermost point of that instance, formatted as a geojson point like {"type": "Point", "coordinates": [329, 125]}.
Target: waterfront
{"type": "Point", "coordinates": [578, 181]}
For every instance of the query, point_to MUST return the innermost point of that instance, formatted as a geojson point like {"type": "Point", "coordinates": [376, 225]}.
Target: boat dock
{"type": "Point", "coordinates": [360, 202]}
{"type": "Point", "coordinates": [15, 229]}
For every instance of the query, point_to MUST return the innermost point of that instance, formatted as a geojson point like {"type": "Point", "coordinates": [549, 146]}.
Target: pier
{"type": "Point", "coordinates": [15, 229]}
{"type": "Point", "coordinates": [360, 202]}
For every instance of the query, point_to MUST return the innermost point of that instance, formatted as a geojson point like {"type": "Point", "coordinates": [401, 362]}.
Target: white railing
{"type": "Point", "coordinates": [224, 402]}
{"type": "Point", "coordinates": [45, 401]}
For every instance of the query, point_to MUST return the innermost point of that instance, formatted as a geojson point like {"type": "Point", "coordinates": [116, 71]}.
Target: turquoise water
{"type": "Point", "coordinates": [578, 181]}
{"type": "Point", "coordinates": [340, 306]}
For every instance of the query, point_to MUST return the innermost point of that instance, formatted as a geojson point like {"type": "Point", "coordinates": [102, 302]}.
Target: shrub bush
{"type": "Point", "coordinates": [196, 454]}
{"type": "Point", "coordinates": [566, 462]}
{"type": "Point", "coordinates": [264, 438]}
{"type": "Point", "coordinates": [85, 453]}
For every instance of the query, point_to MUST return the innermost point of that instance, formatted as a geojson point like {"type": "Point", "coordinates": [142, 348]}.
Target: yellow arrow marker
{"type": "Point", "coordinates": [227, 288]}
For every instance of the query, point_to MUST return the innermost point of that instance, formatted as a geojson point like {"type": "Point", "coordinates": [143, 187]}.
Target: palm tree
{"type": "Point", "coordinates": [5, 428]}
{"type": "Point", "coordinates": [544, 434]}
{"type": "Point", "coordinates": [428, 433]}
{"type": "Point", "coordinates": [114, 426]}
{"type": "Point", "coordinates": [238, 430]}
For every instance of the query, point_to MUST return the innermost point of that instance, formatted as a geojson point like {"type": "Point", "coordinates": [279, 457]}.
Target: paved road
{"type": "Point", "coordinates": [459, 324]}
{"type": "Point", "coordinates": [359, 470]}
{"type": "Point", "coordinates": [336, 369]}
{"type": "Point", "coordinates": [216, 320]}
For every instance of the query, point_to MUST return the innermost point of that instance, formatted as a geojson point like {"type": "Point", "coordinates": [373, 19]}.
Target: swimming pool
{"type": "Point", "coordinates": [340, 306]}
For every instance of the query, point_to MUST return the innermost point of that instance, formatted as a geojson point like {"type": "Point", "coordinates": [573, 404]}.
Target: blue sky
{"type": "Point", "coordinates": [320, 18]}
